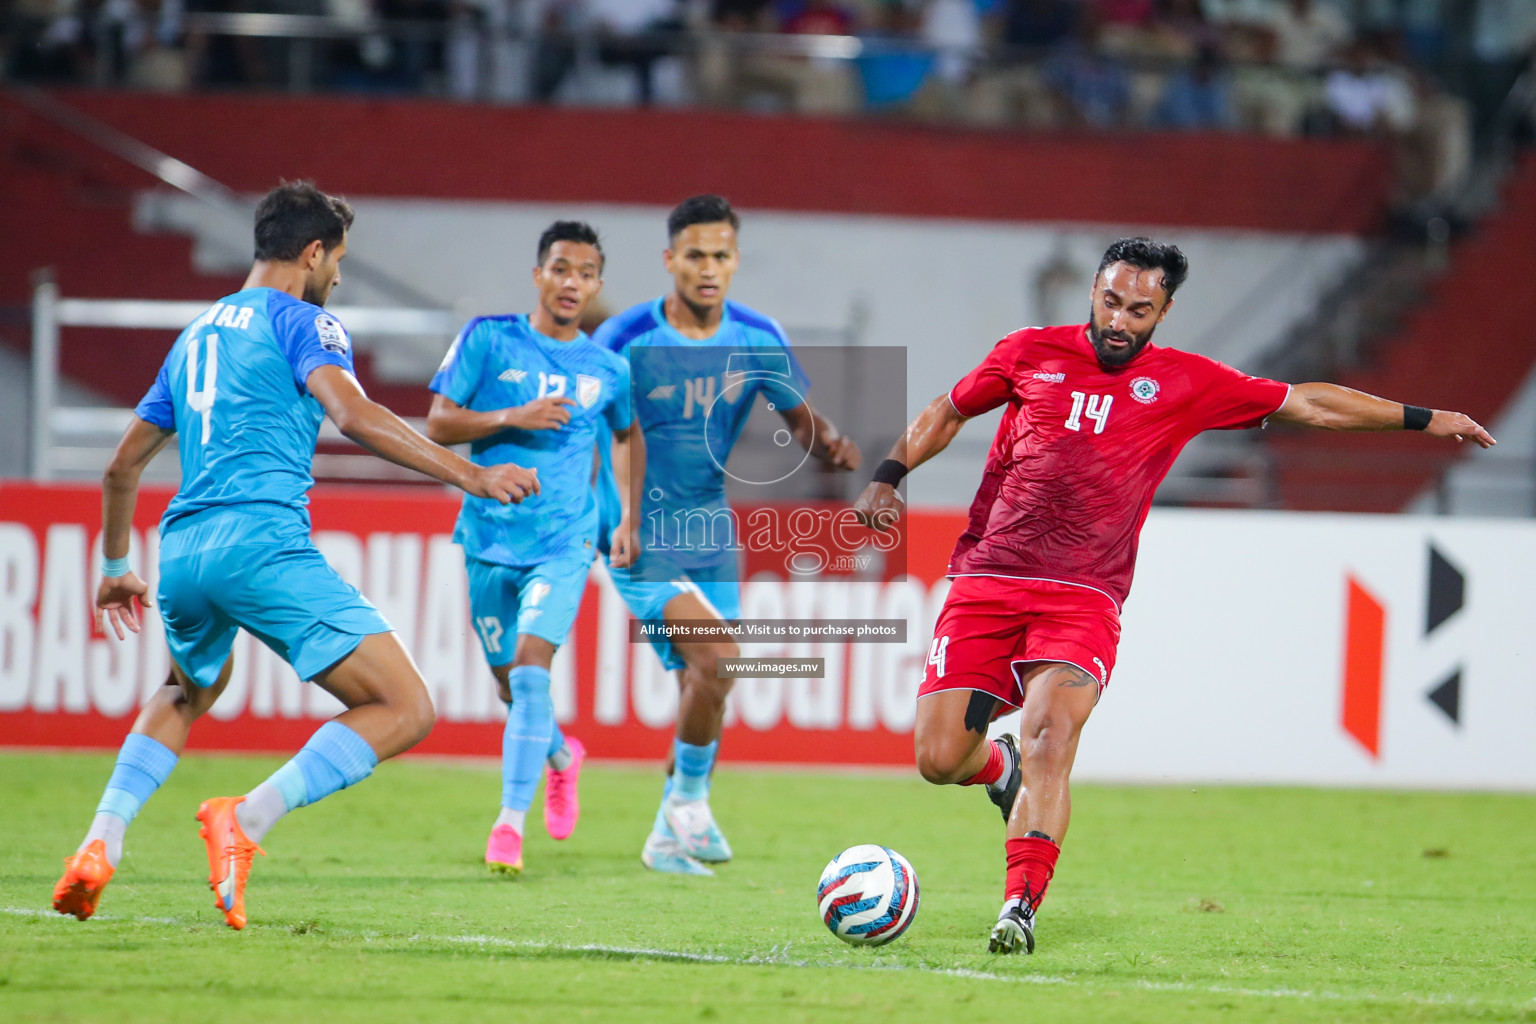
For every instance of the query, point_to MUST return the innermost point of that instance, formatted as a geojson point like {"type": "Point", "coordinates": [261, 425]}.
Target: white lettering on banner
{"type": "Point", "coordinates": [18, 592]}
{"type": "Point", "coordinates": [760, 702]}
{"type": "Point", "coordinates": [50, 660]}
{"type": "Point", "coordinates": [816, 703]}
{"type": "Point", "coordinates": [154, 656]}
{"type": "Point", "coordinates": [898, 667]}
{"type": "Point", "coordinates": [445, 628]}
{"type": "Point", "coordinates": [394, 581]}
{"type": "Point", "coordinates": [58, 678]}
{"type": "Point", "coordinates": [862, 598]}
{"type": "Point", "coordinates": [608, 690]}
{"type": "Point", "coordinates": [562, 683]}
{"type": "Point", "coordinates": [653, 688]}
{"type": "Point", "coordinates": [114, 664]}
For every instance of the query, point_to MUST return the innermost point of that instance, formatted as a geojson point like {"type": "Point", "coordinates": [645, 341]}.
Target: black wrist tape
{"type": "Point", "coordinates": [1416, 417]}
{"type": "Point", "coordinates": [889, 472]}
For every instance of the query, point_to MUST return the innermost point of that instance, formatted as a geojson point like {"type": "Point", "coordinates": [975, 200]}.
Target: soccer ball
{"type": "Point", "coordinates": [868, 895]}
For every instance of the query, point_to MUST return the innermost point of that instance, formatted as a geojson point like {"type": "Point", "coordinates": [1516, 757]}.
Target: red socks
{"type": "Point", "coordinates": [1031, 863]}
{"type": "Point", "coordinates": [992, 770]}
{"type": "Point", "coordinates": [1031, 859]}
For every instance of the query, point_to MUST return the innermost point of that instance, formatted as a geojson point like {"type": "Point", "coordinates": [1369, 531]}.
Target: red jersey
{"type": "Point", "coordinates": [1082, 448]}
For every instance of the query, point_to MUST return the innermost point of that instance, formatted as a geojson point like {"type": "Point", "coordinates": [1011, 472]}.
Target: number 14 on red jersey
{"type": "Point", "coordinates": [1095, 407]}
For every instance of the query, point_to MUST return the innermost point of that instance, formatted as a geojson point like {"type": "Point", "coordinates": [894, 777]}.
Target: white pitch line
{"type": "Point", "coordinates": [778, 958]}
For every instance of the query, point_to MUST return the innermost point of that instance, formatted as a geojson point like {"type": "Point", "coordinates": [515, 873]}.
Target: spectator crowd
{"type": "Point", "coordinates": [1431, 76]}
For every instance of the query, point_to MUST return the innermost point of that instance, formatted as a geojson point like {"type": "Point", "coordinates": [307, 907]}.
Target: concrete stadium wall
{"type": "Point", "coordinates": [946, 290]}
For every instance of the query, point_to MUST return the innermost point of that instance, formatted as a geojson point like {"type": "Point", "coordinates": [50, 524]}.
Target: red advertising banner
{"type": "Point", "coordinates": [64, 684]}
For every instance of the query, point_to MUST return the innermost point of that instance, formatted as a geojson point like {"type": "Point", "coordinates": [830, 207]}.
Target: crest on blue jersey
{"type": "Point", "coordinates": [588, 389]}
{"type": "Point", "coordinates": [333, 337]}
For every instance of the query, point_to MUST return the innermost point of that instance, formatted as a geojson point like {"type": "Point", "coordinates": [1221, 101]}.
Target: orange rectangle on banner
{"type": "Point", "coordinates": [1364, 653]}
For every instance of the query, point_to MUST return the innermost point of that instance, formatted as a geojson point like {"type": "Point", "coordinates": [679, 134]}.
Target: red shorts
{"type": "Point", "coordinates": [992, 625]}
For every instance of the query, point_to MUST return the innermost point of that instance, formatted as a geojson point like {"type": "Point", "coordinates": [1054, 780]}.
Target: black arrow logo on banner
{"type": "Point", "coordinates": [1447, 594]}
{"type": "Point", "coordinates": [1447, 697]}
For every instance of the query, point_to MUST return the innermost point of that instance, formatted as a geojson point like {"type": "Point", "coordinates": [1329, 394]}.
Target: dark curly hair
{"type": "Point", "coordinates": [570, 231]}
{"type": "Point", "coordinates": [1146, 254]}
{"type": "Point", "coordinates": [295, 214]}
{"type": "Point", "coordinates": [704, 209]}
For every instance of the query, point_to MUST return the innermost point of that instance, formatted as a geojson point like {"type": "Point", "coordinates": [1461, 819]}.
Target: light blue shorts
{"type": "Point", "coordinates": [540, 600]}
{"type": "Point", "coordinates": [646, 599]}
{"type": "Point", "coordinates": [255, 568]}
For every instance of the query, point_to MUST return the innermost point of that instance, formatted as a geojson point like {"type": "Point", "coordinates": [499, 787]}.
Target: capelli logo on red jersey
{"type": "Point", "coordinates": [1365, 641]}
{"type": "Point", "coordinates": [1051, 378]}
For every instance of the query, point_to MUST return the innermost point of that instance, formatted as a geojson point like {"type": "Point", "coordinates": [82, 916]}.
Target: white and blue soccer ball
{"type": "Point", "coordinates": [868, 895]}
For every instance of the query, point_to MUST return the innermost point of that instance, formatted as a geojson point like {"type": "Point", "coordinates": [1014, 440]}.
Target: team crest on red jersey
{"type": "Point", "coordinates": [1144, 390]}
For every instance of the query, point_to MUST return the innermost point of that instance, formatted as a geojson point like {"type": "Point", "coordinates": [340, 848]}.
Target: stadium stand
{"type": "Point", "coordinates": [1457, 343]}
{"type": "Point", "coordinates": [382, 148]}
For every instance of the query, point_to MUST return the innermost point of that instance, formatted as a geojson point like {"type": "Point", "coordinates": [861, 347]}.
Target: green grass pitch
{"type": "Point", "coordinates": [1170, 904]}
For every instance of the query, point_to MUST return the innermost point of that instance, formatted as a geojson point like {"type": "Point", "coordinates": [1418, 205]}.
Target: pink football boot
{"type": "Point", "coordinates": [561, 808]}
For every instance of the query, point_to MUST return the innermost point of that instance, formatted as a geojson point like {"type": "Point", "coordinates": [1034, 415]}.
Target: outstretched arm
{"type": "Point", "coordinates": [141, 442]}
{"type": "Point", "coordinates": [448, 422]}
{"type": "Point", "coordinates": [389, 437]}
{"type": "Point", "coordinates": [816, 433]}
{"type": "Point", "coordinates": [926, 436]}
{"type": "Point", "coordinates": [1332, 407]}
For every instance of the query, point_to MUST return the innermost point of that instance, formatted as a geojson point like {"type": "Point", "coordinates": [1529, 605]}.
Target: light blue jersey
{"type": "Point", "coordinates": [693, 397]}
{"type": "Point", "coordinates": [233, 388]}
{"type": "Point", "coordinates": [235, 549]}
{"type": "Point", "coordinates": [500, 362]}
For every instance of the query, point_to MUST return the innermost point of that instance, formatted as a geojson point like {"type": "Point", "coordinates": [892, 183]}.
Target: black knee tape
{"type": "Point", "coordinates": [979, 712]}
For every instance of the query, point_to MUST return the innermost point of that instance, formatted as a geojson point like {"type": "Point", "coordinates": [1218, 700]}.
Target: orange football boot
{"type": "Point", "coordinates": [86, 873]}
{"type": "Point", "coordinates": [230, 854]}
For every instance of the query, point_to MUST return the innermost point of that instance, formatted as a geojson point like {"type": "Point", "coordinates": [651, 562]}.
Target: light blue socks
{"type": "Point", "coordinates": [691, 765]}
{"type": "Point", "coordinates": [334, 758]}
{"type": "Point", "coordinates": [142, 767]}
{"type": "Point", "coordinates": [530, 738]}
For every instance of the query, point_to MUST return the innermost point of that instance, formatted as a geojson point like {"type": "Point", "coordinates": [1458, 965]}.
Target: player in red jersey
{"type": "Point", "coordinates": [1095, 415]}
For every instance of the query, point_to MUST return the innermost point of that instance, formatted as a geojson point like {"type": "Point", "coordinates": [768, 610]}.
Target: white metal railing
{"type": "Point", "coordinates": [75, 439]}
{"type": "Point", "coordinates": [178, 174]}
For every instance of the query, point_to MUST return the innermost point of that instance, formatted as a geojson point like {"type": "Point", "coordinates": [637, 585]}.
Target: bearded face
{"type": "Point", "coordinates": [1116, 347]}
{"type": "Point", "coordinates": [1128, 304]}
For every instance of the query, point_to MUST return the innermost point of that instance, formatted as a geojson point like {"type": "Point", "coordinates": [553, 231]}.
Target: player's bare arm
{"type": "Point", "coordinates": [818, 435]}
{"type": "Point", "coordinates": [140, 443]}
{"type": "Point", "coordinates": [629, 471]}
{"type": "Point", "coordinates": [448, 422]}
{"type": "Point", "coordinates": [389, 437]}
{"type": "Point", "coordinates": [1333, 407]}
{"type": "Point", "coordinates": [928, 434]}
